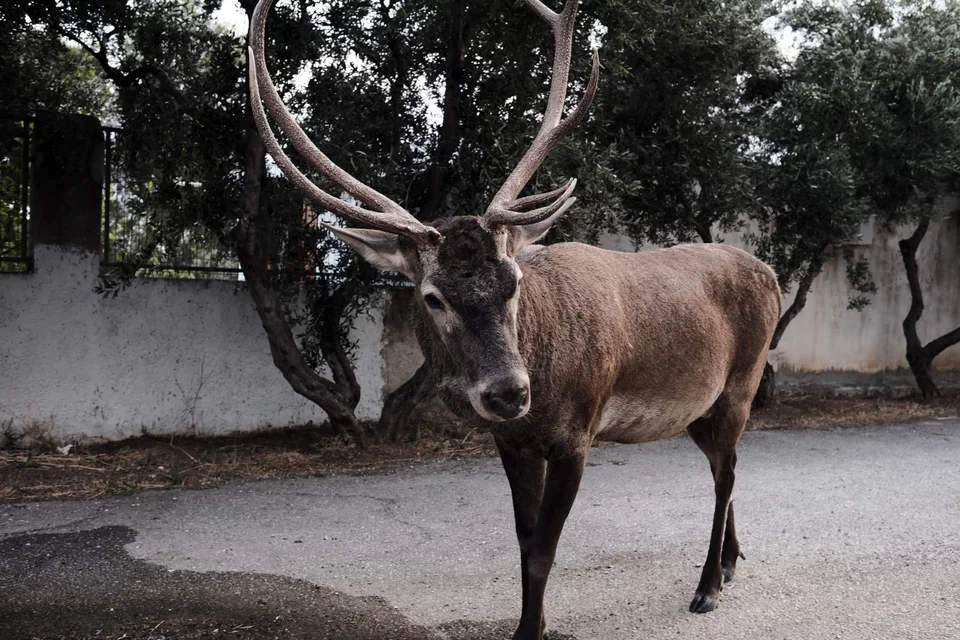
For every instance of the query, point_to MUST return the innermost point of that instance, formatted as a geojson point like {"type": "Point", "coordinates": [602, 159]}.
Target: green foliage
{"type": "Point", "coordinates": [375, 99]}
{"type": "Point", "coordinates": [697, 125]}
{"type": "Point", "coordinates": [808, 185]}
{"type": "Point", "coordinates": [864, 121]}
{"type": "Point", "coordinates": [891, 70]}
{"type": "Point", "coordinates": [670, 118]}
{"type": "Point", "coordinates": [14, 135]}
{"type": "Point", "coordinates": [39, 71]}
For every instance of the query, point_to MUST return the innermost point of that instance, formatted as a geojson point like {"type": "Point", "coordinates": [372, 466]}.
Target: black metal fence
{"type": "Point", "coordinates": [133, 243]}
{"type": "Point", "coordinates": [16, 248]}
{"type": "Point", "coordinates": [135, 240]}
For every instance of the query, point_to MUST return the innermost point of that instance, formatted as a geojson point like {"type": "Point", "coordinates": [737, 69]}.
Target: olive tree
{"type": "Point", "coordinates": [889, 72]}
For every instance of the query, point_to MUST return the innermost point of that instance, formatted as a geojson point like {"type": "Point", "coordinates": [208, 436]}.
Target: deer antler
{"type": "Point", "coordinates": [506, 208]}
{"type": "Point", "coordinates": [387, 215]}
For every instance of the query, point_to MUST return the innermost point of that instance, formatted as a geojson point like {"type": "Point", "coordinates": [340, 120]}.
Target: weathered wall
{"type": "Point", "coordinates": [166, 356]}
{"type": "Point", "coordinates": [827, 337]}
{"type": "Point", "coordinates": [189, 356]}
{"type": "Point", "coordinates": [830, 348]}
{"type": "Point", "coordinates": [827, 348]}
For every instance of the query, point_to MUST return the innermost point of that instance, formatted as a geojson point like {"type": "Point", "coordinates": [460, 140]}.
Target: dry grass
{"type": "Point", "coordinates": [160, 463]}
{"type": "Point", "coordinates": [808, 412]}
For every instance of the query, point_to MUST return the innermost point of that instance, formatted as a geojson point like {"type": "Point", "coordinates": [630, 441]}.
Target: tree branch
{"type": "Point", "coordinates": [331, 310]}
{"type": "Point", "coordinates": [398, 52]}
{"type": "Point", "coordinates": [123, 80]}
{"type": "Point", "coordinates": [935, 347]}
{"type": "Point", "coordinates": [799, 301]}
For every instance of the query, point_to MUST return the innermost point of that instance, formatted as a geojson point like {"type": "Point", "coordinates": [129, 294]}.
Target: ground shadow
{"type": "Point", "coordinates": [72, 586]}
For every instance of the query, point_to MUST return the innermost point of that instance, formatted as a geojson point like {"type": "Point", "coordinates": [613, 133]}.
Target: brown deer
{"type": "Point", "coordinates": [551, 347]}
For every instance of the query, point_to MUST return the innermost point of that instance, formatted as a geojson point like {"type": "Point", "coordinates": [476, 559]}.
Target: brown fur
{"type": "Point", "coordinates": [587, 343]}
{"type": "Point", "coordinates": [628, 347]}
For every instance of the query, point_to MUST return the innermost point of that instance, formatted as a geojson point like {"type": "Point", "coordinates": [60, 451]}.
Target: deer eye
{"type": "Point", "coordinates": [434, 302]}
{"type": "Point", "coordinates": [512, 288]}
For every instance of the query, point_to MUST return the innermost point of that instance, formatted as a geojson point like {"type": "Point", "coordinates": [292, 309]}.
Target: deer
{"type": "Point", "coordinates": [553, 347]}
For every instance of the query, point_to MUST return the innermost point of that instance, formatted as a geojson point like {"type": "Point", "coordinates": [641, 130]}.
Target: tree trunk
{"type": "Point", "coordinates": [449, 137]}
{"type": "Point", "coordinates": [919, 357]}
{"type": "Point", "coordinates": [767, 389]}
{"type": "Point", "coordinates": [799, 302]}
{"type": "Point", "coordinates": [701, 228]}
{"type": "Point", "coordinates": [328, 395]}
{"type": "Point", "coordinates": [768, 383]}
{"type": "Point", "coordinates": [401, 403]}
{"type": "Point", "coordinates": [398, 51]}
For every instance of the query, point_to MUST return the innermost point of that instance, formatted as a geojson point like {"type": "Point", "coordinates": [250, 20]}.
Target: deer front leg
{"type": "Point", "coordinates": [525, 474]}
{"type": "Point", "coordinates": [562, 482]}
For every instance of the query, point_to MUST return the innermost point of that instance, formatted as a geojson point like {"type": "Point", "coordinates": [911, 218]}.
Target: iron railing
{"type": "Point", "coordinates": [16, 246]}
{"type": "Point", "coordinates": [130, 242]}
{"type": "Point", "coordinates": [132, 245]}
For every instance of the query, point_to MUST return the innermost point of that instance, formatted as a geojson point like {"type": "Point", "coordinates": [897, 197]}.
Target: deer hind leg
{"type": "Point", "coordinates": [717, 437]}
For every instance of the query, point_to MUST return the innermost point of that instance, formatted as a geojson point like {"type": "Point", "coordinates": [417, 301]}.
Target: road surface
{"type": "Point", "coordinates": [848, 534]}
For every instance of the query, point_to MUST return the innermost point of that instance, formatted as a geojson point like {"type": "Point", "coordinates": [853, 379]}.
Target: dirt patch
{"type": "Point", "coordinates": [148, 462]}
{"type": "Point", "coordinates": [160, 463]}
{"type": "Point", "coordinates": [809, 412]}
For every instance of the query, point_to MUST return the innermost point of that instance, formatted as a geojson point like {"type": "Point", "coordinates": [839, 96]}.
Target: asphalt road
{"type": "Point", "coordinates": [848, 534]}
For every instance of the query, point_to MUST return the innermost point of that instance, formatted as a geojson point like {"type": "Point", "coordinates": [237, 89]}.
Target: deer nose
{"type": "Point", "coordinates": [507, 399]}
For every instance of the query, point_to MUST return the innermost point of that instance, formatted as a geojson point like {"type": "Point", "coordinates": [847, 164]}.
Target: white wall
{"type": "Point", "coordinates": [190, 356]}
{"type": "Point", "coordinates": [828, 337]}
{"type": "Point", "coordinates": [167, 356]}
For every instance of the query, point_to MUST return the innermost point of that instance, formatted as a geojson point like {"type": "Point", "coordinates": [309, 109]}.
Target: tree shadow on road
{"type": "Point", "coordinates": [85, 585]}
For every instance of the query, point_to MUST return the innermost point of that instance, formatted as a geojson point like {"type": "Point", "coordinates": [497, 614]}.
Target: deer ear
{"type": "Point", "coordinates": [523, 236]}
{"type": "Point", "coordinates": [379, 248]}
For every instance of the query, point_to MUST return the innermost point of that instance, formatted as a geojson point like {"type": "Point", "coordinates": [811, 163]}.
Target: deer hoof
{"type": "Point", "coordinates": [703, 603]}
{"type": "Point", "coordinates": [728, 572]}
{"type": "Point", "coordinates": [519, 635]}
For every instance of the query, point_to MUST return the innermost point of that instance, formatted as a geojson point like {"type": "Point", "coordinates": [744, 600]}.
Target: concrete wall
{"type": "Point", "coordinates": [166, 356]}
{"type": "Point", "coordinates": [189, 356]}
{"type": "Point", "coordinates": [829, 339]}
{"type": "Point", "coordinates": [827, 348]}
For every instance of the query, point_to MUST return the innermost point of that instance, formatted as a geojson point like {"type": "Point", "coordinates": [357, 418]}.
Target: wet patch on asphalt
{"type": "Point", "coordinates": [84, 585]}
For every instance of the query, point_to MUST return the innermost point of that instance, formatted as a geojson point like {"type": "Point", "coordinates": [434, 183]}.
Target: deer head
{"type": "Point", "coordinates": [466, 277]}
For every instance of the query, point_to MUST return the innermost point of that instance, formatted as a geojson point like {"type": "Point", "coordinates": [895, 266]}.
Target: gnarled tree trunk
{"type": "Point", "coordinates": [768, 383]}
{"type": "Point", "coordinates": [919, 356]}
{"type": "Point", "coordinates": [401, 403]}
{"type": "Point", "coordinates": [337, 397]}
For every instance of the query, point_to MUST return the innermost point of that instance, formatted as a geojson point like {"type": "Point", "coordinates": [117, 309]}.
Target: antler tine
{"type": "Point", "coordinates": [412, 228]}
{"type": "Point", "coordinates": [390, 217]}
{"type": "Point", "coordinates": [524, 204]}
{"type": "Point", "coordinates": [517, 217]}
{"type": "Point", "coordinates": [505, 207]}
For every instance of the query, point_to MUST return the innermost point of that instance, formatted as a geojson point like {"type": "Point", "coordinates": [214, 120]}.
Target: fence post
{"type": "Point", "coordinates": [67, 191]}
